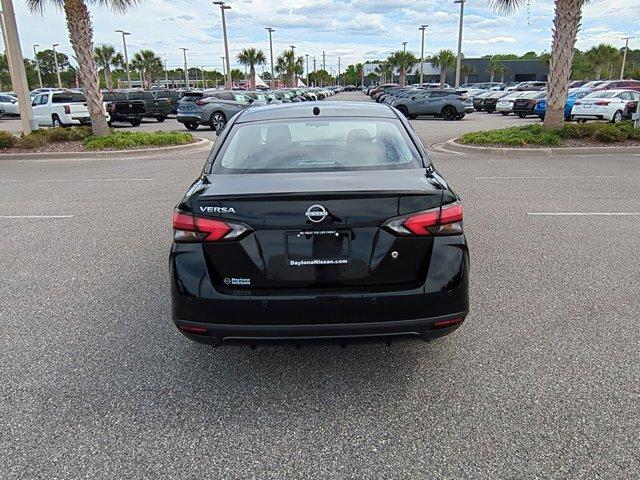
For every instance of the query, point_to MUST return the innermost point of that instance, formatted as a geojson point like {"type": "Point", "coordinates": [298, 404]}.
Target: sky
{"type": "Point", "coordinates": [354, 30]}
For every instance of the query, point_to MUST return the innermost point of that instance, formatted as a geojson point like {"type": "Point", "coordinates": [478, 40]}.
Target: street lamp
{"type": "Point", "coordinates": [422, 28]}
{"type": "Point", "coordinates": [339, 79]}
{"type": "Point", "coordinates": [404, 46]}
{"type": "Point", "coordinates": [271, 30]}
{"type": "Point", "coordinates": [126, 55]}
{"type": "Point", "coordinates": [459, 58]}
{"type": "Point", "coordinates": [224, 7]}
{"type": "Point", "coordinates": [624, 56]}
{"type": "Point", "coordinates": [35, 57]}
{"type": "Point", "coordinates": [55, 62]}
{"type": "Point", "coordinates": [186, 70]}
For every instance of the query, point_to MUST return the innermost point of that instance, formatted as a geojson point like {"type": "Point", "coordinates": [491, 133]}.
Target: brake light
{"type": "Point", "coordinates": [201, 101]}
{"type": "Point", "coordinates": [602, 102]}
{"type": "Point", "coordinates": [578, 102]}
{"type": "Point", "coordinates": [463, 98]}
{"type": "Point", "coordinates": [193, 329]}
{"type": "Point", "coordinates": [67, 110]}
{"type": "Point", "coordinates": [191, 228]}
{"type": "Point", "coordinates": [447, 323]}
{"type": "Point", "coordinates": [435, 222]}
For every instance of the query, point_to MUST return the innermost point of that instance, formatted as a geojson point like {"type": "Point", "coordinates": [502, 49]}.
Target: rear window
{"type": "Point", "coordinates": [601, 95]}
{"type": "Point", "coordinates": [68, 97]}
{"type": "Point", "coordinates": [317, 145]}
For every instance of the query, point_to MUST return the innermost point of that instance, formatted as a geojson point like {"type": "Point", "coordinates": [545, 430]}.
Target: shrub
{"type": "Point", "coordinates": [32, 141]}
{"type": "Point", "coordinates": [59, 134]}
{"type": "Point", "coordinates": [125, 140]}
{"type": "Point", "coordinates": [7, 140]}
{"type": "Point", "coordinates": [79, 133]}
{"type": "Point", "coordinates": [609, 133]}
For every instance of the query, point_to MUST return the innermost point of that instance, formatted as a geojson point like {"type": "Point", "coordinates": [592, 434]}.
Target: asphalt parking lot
{"type": "Point", "coordinates": [541, 381]}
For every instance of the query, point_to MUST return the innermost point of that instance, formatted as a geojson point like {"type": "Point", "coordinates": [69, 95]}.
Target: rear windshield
{"type": "Point", "coordinates": [69, 97]}
{"type": "Point", "coordinates": [317, 145]}
{"type": "Point", "coordinates": [602, 95]}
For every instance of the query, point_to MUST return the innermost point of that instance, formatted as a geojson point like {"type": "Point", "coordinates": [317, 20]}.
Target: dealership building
{"type": "Point", "coordinates": [516, 71]}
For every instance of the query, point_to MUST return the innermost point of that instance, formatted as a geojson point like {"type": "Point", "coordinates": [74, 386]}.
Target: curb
{"type": "Point", "coordinates": [200, 143]}
{"type": "Point", "coordinates": [451, 145]}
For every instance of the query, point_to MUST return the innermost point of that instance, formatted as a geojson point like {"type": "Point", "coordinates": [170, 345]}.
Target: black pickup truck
{"type": "Point", "coordinates": [173, 96]}
{"type": "Point", "coordinates": [122, 109]}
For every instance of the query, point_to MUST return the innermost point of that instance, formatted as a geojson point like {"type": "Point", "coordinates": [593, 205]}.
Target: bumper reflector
{"type": "Point", "coordinates": [447, 323]}
{"type": "Point", "coordinates": [193, 329]}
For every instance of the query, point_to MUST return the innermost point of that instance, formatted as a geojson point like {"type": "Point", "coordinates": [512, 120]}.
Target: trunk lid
{"type": "Point", "coordinates": [316, 231]}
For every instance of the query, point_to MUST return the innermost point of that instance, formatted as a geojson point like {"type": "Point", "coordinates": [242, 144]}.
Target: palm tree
{"type": "Point", "coordinates": [147, 63]}
{"type": "Point", "coordinates": [251, 57]}
{"type": "Point", "coordinates": [566, 23]}
{"type": "Point", "coordinates": [288, 65]}
{"type": "Point", "coordinates": [466, 70]}
{"type": "Point", "coordinates": [601, 56]}
{"type": "Point", "coordinates": [403, 61]}
{"type": "Point", "coordinates": [444, 59]}
{"type": "Point", "coordinates": [107, 57]}
{"type": "Point", "coordinates": [81, 37]}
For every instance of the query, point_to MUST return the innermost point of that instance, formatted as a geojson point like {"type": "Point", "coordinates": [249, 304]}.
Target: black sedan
{"type": "Point", "coordinates": [318, 221]}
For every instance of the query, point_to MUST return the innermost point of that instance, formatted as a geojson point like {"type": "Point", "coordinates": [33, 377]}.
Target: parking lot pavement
{"type": "Point", "coordinates": [540, 382]}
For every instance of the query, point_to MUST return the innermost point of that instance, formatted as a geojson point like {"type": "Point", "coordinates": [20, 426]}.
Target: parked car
{"type": "Point", "coordinates": [212, 108]}
{"type": "Point", "coordinates": [505, 104]}
{"type": "Point", "coordinates": [333, 217]}
{"type": "Point", "coordinates": [619, 85]}
{"type": "Point", "coordinates": [529, 86]}
{"type": "Point", "coordinates": [122, 109]}
{"type": "Point", "coordinates": [526, 103]}
{"type": "Point", "coordinates": [172, 95]}
{"type": "Point", "coordinates": [448, 104]}
{"type": "Point", "coordinates": [489, 101]}
{"type": "Point", "coordinates": [478, 100]}
{"type": "Point", "coordinates": [574, 94]}
{"type": "Point", "coordinates": [10, 105]}
{"type": "Point", "coordinates": [611, 105]}
{"type": "Point", "coordinates": [61, 108]}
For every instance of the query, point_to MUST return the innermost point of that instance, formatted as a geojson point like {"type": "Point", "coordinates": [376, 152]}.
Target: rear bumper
{"type": "Point", "coordinates": [338, 314]}
{"type": "Point", "coordinates": [188, 118]}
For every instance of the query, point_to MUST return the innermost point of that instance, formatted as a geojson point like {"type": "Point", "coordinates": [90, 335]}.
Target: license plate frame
{"type": "Point", "coordinates": [317, 247]}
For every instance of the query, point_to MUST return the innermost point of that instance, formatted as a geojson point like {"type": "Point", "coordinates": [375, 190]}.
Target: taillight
{"type": "Point", "coordinates": [67, 110]}
{"type": "Point", "coordinates": [463, 98]}
{"type": "Point", "coordinates": [578, 102]}
{"type": "Point", "coordinates": [191, 228]}
{"type": "Point", "coordinates": [201, 101]}
{"type": "Point", "coordinates": [602, 102]}
{"type": "Point", "coordinates": [435, 222]}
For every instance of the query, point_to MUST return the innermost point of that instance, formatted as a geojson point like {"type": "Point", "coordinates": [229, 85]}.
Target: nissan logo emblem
{"type": "Point", "coordinates": [316, 213]}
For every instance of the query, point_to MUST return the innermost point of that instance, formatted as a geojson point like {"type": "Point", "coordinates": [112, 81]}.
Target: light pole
{"type": "Point", "coordinates": [404, 46]}
{"type": "Point", "coordinates": [126, 54]}
{"type": "Point", "coordinates": [55, 62]}
{"type": "Point", "coordinates": [224, 72]}
{"type": "Point", "coordinates": [166, 75]}
{"type": "Point", "coordinates": [16, 64]}
{"type": "Point", "coordinates": [307, 55]}
{"type": "Point", "coordinates": [271, 30]}
{"type": "Point", "coordinates": [315, 80]}
{"type": "Point", "coordinates": [624, 56]}
{"type": "Point", "coordinates": [186, 70]}
{"type": "Point", "coordinates": [224, 7]}
{"type": "Point", "coordinates": [339, 79]}
{"type": "Point", "coordinates": [204, 81]}
{"type": "Point", "coordinates": [422, 28]}
{"type": "Point", "coordinates": [459, 58]}
{"type": "Point", "coordinates": [35, 58]}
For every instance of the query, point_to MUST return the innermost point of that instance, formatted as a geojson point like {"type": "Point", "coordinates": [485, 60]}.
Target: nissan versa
{"type": "Point", "coordinates": [318, 222]}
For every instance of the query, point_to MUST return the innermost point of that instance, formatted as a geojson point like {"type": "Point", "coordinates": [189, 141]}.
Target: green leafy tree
{"type": "Point", "coordinates": [107, 57]}
{"type": "Point", "coordinates": [80, 30]}
{"type": "Point", "coordinates": [250, 57]}
{"type": "Point", "coordinates": [353, 74]}
{"type": "Point", "coordinates": [288, 66]}
{"type": "Point", "coordinates": [48, 68]}
{"type": "Point", "coordinates": [445, 59]}
{"type": "Point", "coordinates": [148, 64]}
{"type": "Point", "coordinates": [566, 23]}
{"type": "Point", "coordinates": [496, 67]}
{"type": "Point", "coordinates": [404, 62]}
{"type": "Point", "coordinates": [466, 70]}
{"type": "Point", "coordinates": [320, 77]}
{"type": "Point", "coordinates": [602, 56]}
{"type": "Point", "coordinates": [236, 74]}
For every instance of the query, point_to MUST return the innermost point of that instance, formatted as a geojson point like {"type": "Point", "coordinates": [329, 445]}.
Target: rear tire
{"type": "Point", "coordinates": [218, 121]}
{"type": "Point", "coordinates": [404, 110]}
{"type": "Point", "coordinates": [56, 122]}
{"type": "Point", "coordinates": [161, 118]}
{"type": "Point", "coordinates": [522, 115]}
{"type": "Point", "coordinates": [449, 113]}
{"type": "Point", "coordinates": [135, 123]}
{"type": "Point", "coordinates": [191, 126]}
{"type": "Point", "coordinates": [505, 113]}
{"type": "Point", "coordinates": [617, 117]}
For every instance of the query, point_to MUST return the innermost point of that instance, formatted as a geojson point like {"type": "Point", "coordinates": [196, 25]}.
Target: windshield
{"type": "Point", "coordinates": [317, 145]}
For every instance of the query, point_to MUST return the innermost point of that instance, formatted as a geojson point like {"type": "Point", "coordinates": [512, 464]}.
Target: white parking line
{"type": "Point", "coordinates": [79, 180]}
{"type": "Point", "coordinates": [583, 214]}
{"type": "Point", "coordinates": [545, 177]}
{"type": "Point", "coordinates": [36, 216]}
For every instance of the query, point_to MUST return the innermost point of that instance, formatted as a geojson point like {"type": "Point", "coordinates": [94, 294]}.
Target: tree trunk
{"type": "Point", "coordinates": [403, 76]}
{"type": "Point", "coordinates": [466, 79]}
{"type": "Point", "coordinates": [502, 78]}
{"type": "Point", "coordinates": [493, 74]}
{"type": "Point", "coordinates": [566, 23]}
{"type": "Point", "coordinates": [81, 37]}
{"type": "Point", "coordinates": [598, 73]}
{"type": "Point", "coordinates": [252, 76]}
{"type": "Point", "coordinates": [443, 75]}
{"type": "Point", "coordinates": [107, 77]}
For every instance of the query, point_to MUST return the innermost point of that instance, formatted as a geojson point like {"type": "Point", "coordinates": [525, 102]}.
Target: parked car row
{"type": "Point", "coordinates": [214, 108]}
{"type": "Point", "coordinates": [449, 104]}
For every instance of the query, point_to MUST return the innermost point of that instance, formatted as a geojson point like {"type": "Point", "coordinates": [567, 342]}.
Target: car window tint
{"type": "Point", "coordinates": [240, 98]}
{"type": "Point", "coordinates": [317, 145]}
{"type": "Point", "coordinates": [67, 97]}
{"type": "Point", "coordinates": [135, 96]}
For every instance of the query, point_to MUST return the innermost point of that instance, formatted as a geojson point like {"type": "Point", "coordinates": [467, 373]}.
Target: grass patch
{"type": "Point", "coordinates": [535, 135]}
{"type": "Point", "coordinates": [125, 140]}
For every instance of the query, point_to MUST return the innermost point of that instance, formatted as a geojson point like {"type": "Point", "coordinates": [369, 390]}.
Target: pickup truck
{"type": "Point", "coordinates": [123, 110]}
{"type": "Point", "coordinates": [158, 108]}
{"type": "Point", "coordinates": [174, 97]}
{"type": "Point", "coordinates": [61, 108]}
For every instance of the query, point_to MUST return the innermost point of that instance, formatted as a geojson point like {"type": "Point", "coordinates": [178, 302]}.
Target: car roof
{"type": "Point", "coordinates": [615, 91]}
{"type": "Point", "coordinates": [304, 110]}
